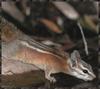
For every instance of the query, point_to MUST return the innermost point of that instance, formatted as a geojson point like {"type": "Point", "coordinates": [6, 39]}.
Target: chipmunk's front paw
{"type": "Point", "coordinates": [52, 79]}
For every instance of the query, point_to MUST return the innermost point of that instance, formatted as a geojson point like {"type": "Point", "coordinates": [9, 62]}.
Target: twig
{"type": "Point", "coordinates": [84, 40]}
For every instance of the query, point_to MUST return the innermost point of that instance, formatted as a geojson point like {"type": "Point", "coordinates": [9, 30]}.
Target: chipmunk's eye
{"type": "Point", "coordinates": [85, 71]}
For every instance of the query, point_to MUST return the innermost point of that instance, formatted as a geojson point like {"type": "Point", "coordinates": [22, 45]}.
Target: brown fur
{"type": "Point", "coordinates": [38, 58]}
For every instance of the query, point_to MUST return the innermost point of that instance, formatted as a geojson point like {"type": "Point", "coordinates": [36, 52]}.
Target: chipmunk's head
{"type": "Point", "coordinates": [80, 68]}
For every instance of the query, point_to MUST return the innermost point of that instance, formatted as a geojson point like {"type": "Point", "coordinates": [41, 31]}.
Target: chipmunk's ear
{"type": "Point", "coordinates": [75, 58]}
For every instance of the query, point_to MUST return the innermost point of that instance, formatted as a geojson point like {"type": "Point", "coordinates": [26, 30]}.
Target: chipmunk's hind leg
{"type": "Point", "coordinates": [47, 76]}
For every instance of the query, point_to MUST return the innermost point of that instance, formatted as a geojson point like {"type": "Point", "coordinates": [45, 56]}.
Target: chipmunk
{"type": "Point", "coordinates": [48, 59]}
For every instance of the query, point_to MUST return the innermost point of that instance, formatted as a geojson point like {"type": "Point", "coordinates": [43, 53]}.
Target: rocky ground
{"type": "Point", "coordinates": [36, 80]}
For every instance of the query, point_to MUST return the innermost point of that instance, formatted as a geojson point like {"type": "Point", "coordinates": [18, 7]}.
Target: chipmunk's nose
{"type": "Point", "coordinates": [90, 78]}
{"type": "Point", "coordinates": [93, 76]}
